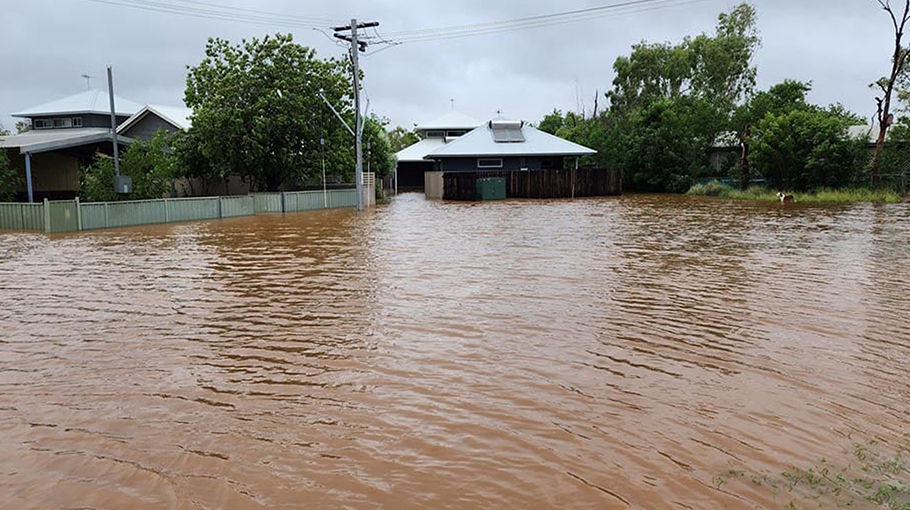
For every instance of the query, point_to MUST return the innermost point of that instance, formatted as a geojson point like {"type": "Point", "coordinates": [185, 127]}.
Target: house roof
{"type": "Point", "coordinates": [451, 120]}
{"type": "Point", "coordinates": [480, 143]}
{"type": "Point", "coordinates": [36, 141]}
{"type": "Point", "coordinates": [88, 102]}
{"type": "Point", "coordinates": [419, 150]}
{"type": "Point", "coordinates": [177, 116]}
{"type": "Point", "coordinates": [866, 132]}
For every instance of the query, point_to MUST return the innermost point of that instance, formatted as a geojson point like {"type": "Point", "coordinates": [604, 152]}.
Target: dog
{"type": "Point", "coordinates": [786, 199]}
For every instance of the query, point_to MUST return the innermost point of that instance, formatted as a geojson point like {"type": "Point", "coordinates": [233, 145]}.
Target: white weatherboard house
{"type": "Point", "coordinates": [67, 133]}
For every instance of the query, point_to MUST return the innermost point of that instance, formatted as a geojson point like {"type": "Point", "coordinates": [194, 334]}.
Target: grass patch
{"type": "Point", "coordinates": [866, 475]}
{"type": "Point", "coordinates": [819, 196]}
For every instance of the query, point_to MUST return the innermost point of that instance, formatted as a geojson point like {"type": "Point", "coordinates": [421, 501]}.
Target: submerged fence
{"type": "Point", "coordinates": [582, 182]}
{"type": "Point", "coordinates": [72, 215]}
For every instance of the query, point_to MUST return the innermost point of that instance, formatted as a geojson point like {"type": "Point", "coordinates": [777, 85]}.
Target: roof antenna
{"type": "Point", "coordinates": [453, 103]}
{"type": "Point", "coordinates": [88, 81]}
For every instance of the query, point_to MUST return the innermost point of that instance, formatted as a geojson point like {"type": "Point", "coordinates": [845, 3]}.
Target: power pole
{"type": "Point", "coordinates": [110, 88]}
{"type": "Point", "coordinates": [356, 47]}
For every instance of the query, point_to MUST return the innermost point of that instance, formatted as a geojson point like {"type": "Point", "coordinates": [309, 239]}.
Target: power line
{"type": "Point", "coordinates": [519, 21]}
{"type": "Point", "coordinates": [194, 12]}
{"type": "Point", "coordinates": [511, 26]}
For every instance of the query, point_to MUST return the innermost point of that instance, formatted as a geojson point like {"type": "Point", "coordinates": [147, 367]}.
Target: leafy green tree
{"type": "Point", "coordinates": [3, 131]}
{"type": "Point", "coordinates": [152, 165]}
{"type": "Point", "coordinates": [23, 125]}
{"type": "Point", "coordinates": [552, 122]}
{"type": "Point", "coordinates": [258, 113]}
{"type": "Point", "coordinates": [806, 149]}
{"type": "Point", "coordinates": [379, 155]}
{"type": "Point", "coordinates": [717, 67]}
{"type": "Point", "coordinates": [667, 145]}
{"type": "Point", "coordinates": [9, 178]}
{"type": "Point", "coordinates": [784, 97]}
{"type": "Point", "coordinates": [681, 97]}
{"type": "Point", "coordinates": [400, 138]}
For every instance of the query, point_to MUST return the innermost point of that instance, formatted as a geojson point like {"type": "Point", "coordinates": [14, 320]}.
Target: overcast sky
{"type": "Point", "coordinates": [840, 45]}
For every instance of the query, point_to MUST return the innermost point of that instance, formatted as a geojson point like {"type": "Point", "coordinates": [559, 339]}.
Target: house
{"type": "Point", "coordinates": [508, 145]}
{"type": "Point", "coordinates": [154, 118]}
{"type": "Point", "coordinates": [412, 162]}
{"type": "Point", "coordinates": [65, 136]}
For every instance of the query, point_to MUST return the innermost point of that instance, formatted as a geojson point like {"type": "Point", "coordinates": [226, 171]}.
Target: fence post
{"type": "Point", "coordinates": [78, 214]}
{"type": "Point", "coordinates": [167, 215]}
{"type": "Point", "coordinates": [21, 216]}
{"type": "Point", "coordinates": [283, 208]}
{"type": "Point", "coordinates": [47, 216]}
{"type": "Point", "coordinates": [219, 207]}
{"type": "Point", "coordinates": [107, 223]}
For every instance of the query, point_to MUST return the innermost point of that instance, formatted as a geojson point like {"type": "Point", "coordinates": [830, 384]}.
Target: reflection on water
{"type": "Point", "coordinates": [604, 353]}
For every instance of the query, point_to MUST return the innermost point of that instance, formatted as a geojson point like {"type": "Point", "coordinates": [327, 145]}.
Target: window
{"type": "Point", "coordinates": [489, 163]}
{"type": "Point", "coordinates": [77, 121]}
{"type": "Point", "coordinates": [43, 124]}
{"type": "Point", "coordinates": [455, 134]}
{"type": "Point", "coordinates": [436, 134]}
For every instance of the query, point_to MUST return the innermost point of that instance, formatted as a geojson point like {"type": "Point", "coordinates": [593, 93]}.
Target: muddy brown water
{"type": "Point", "coordinates": [589, 354]}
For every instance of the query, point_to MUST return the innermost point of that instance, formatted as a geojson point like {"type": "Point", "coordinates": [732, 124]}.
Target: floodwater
{"type": "Point", "coordinates": [591, 354]}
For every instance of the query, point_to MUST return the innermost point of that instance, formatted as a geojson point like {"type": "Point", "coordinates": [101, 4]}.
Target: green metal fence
{"type": "Point", "coordinates": [17, 216]}
{"type": "Point", "coordinates": [71, 215]}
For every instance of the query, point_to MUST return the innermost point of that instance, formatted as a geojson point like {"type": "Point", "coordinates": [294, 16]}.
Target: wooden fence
{"type": "Point", "coordinates": [583, 182]}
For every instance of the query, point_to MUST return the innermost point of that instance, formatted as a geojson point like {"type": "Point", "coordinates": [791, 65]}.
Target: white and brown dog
{"type": "Point", "coordinates": [786, 199]}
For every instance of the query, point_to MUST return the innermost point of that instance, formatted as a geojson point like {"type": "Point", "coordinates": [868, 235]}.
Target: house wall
{"type": "Point", "coordinates": [146, 128]}
{"type": "Point", "coordinates": [92, 120]}
{"type": "Point", "coordinates": [508, 163]}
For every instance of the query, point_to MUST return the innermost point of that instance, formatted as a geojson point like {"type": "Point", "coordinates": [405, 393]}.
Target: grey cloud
{"type": "Point", "coordinates": [841, 46]}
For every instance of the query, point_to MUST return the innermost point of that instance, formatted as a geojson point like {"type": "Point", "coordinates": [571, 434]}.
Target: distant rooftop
{"type": "Point", "coordinates": [177, 116]}
{"type": "Point", "coordinates": [451, 120]}
{"type": "Point", "coordinates": [89, 102]}
{"type": "Point", "coordinates": [36, 141]}
{"type": "Point", "coordinates": [501, 137]}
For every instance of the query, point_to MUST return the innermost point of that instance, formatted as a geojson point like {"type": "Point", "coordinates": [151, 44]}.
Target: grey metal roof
{"type": "Point", "coordinates": [46, 140]}
{"type": "Point", "coordinates": [90, 101]}
{"type": "Point", "coordinates": [177, 116]}
{"type": "Point", "coordinates": [481, 143]}
{"type": "Point", "coordinates": [451, 120]}
{"type": "Point", "coordinates": [419, 150]}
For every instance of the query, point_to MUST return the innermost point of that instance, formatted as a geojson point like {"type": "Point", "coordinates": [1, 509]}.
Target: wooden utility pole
{"type": "Point", "coordinates": [356, 47]}
{"type": "Point", "coordinates": [887, 84]}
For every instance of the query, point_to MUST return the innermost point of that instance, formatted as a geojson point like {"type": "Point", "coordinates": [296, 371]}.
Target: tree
{"type": "Point", "coordinates": [781, 98]}
{"type": "Point", "coordinates": [380, 156]}
{"type": "Point", "coordinates": [552, 122]}
{"type": "Point", "coordinates": [888, 83]}
{"type": "Point", "coordinates": [23, 125]}
{"type": "Point", "coordinates": [400, 138]}
{"type": "Point", "coordinates": [9, 178]}
{"type": "Point", "coordinates": [258, 111]}
{"type": "Point", "coordinates": [151, 164]}
{"type": "Point", "coordinates": [694, 87]}
{"type": "Point", "coordinates": [807, 148]}
{"type": "Point", "coordinates": [667, 146]}
{"type": "Point", "coordinates": [716, 67]}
